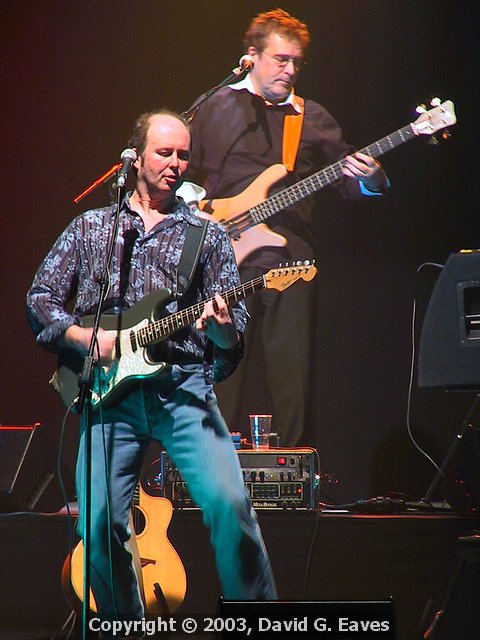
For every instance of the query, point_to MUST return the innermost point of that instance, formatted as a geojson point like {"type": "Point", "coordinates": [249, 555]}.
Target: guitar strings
{"type": "Point", "coordinates": [165, 326]}
{"type": "Point", "coordinates": [309, 185]}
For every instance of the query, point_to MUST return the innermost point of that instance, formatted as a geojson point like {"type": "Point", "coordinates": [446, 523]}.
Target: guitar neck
{"type": "Point", "coordinates": [311, 184]}
{"type": "Point", "coordinates": [160, 329]}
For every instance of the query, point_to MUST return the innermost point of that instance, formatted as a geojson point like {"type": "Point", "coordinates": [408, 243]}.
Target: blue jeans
{"type": "Point", "coordinates": [180, 410]}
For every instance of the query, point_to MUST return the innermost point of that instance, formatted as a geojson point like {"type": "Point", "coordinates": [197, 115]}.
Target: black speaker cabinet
{"type": "Point", "coordinates": [449, 354]}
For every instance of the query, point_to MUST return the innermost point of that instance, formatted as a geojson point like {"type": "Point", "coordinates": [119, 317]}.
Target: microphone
{"type": "Point", "coordinates": [245, 64]}
{"type": "Point", "coordinates": [128, 157]}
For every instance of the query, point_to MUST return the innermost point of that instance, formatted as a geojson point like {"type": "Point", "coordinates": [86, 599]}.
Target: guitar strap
{"type": "Point", "coordinates": [190, 256]}
{"type": "Point", "coordinates": [292, 129]}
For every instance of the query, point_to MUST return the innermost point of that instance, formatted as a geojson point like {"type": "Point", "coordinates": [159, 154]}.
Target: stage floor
{"type": "Point", "coordinates": [327, 556]}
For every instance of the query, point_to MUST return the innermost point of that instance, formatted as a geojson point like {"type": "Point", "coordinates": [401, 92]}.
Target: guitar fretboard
{"type": "Point", "coordinates": [160, 329]}
{"type": "Point", "coordinates": [311, 184]}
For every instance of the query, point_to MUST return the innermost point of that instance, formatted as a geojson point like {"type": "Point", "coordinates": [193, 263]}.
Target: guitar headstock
{"type": "Point", "coordinates": [284, 277]}
{"type": "Point", "coordinates": [436, 119]}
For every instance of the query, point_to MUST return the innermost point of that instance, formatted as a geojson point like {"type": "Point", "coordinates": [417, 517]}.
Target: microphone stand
{"type": "Point", "coordinates": [84, 383]}
{"type": "Point", "coordinates": [467, 423]}
{"type": "Point", "coordinates": [84, 402]}
{"type": "Point", "coordinates": [236, 73]}
{"type": "Point", "coordinates": [436, 624]}
{"type": "Point", "coordinates": [103, 178]}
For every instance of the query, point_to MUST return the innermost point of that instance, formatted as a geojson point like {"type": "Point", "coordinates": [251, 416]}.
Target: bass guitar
{"type": "Point", "coordinates": [160, 572]}
{"type": "Point", "coordinates": [138, 329]}
{"type": "Point", "coordinates": [244, 215]}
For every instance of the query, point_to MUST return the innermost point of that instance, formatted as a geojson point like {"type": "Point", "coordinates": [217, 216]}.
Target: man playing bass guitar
{"type": "Point", "coordinates": [238, 133]}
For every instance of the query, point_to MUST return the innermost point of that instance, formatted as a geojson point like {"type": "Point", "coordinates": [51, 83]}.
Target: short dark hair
{"type": "Point", "coordinates": [276, 21]}
{"type": "Point", "coordinates": [138, 136]}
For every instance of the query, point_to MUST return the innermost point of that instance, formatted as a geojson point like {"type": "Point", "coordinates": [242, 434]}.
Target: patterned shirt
{"type": "Point", "coordinates": [142, 262]}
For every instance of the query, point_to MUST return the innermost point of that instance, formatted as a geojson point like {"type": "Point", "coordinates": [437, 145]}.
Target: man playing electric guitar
{"type": "Point", "coordinates": [178, 407]}
{"type": "Point", "coordinates": [238, 133]}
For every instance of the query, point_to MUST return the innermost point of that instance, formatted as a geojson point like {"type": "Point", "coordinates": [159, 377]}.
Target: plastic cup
{"type": "Point", "coordinates": [260, 427]}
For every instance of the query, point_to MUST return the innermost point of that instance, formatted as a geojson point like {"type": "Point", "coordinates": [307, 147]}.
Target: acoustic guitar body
{"type": "Point", "coordinates": [163, 581]}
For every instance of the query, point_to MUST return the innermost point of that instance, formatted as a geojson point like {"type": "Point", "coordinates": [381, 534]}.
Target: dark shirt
{"type": "Point", "coordinates": [142, 262]}
{"type": "Point", "coordinates": [236, 135]}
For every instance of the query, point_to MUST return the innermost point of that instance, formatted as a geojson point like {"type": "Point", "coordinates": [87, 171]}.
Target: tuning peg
{"type": "Point", "coordinates": [446, 134]}
{"type": "Point", "coordinates": [435, 102]}
{"type": "Point", "coordinates": [422, 108]}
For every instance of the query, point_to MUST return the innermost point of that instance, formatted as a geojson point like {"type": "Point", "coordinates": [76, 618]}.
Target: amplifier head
{"type": "Point", "coordinates": [276, 479]}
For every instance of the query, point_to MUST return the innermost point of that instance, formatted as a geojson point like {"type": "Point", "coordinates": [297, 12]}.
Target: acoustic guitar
{"type": "Point", "coordinates": [161, 574]}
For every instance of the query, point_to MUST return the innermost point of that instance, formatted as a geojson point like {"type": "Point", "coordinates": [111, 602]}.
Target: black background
{"type": "Point", "coordinates": [74, 77]}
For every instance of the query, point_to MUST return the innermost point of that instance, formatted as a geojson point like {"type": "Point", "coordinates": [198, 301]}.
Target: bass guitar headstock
{"type": "Point", "coordinates": [430, 121]}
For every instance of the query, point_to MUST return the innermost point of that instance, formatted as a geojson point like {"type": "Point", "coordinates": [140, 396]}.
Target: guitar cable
{"type": "Point", "coordinates": [412, 371]}
{"type": "Point", "coordinates": [107, 488]}
{"type": "Point", "coordinates": [308, 565]}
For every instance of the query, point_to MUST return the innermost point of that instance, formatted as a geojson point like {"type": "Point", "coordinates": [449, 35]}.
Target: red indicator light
{"type": "Point", "coordinates": [281, 461]}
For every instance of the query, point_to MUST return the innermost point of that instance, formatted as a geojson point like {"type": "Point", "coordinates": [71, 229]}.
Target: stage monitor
{"type": "Point", "coordinates": [449, 353]}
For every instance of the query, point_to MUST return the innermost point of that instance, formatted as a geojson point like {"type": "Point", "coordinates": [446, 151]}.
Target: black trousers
{"type": "Point", "coordinates": [277, 374]}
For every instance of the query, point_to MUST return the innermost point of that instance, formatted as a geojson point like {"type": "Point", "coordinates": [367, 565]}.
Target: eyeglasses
{"type": "Point", "coordinates": [281, 61]}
